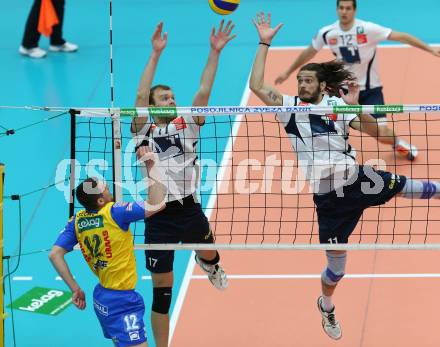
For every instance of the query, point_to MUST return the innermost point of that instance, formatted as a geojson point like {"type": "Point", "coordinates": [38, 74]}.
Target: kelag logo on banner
{"type": "Point", "coordinates": [43, 300]}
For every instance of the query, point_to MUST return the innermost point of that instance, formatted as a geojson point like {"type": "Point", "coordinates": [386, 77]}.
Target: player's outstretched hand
{"type": "Point", "coordinates": [79, 299]}
{"type": "Point", "coordinates": [265, 32]}
{"type": "Point", "coordinates": [147, 156]}
{"type": "Point", "coordinates": [157, 40]}
{"type": "Point", "coordinates": [220, 38]}
{"type": "Point", "coordinates": [352, 97]}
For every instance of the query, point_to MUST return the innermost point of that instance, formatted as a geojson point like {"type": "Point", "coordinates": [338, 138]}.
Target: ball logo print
{"type": "Point", "coordinates": [224, 7]}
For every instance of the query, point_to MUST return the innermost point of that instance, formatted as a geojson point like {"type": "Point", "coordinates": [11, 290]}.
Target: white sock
{"type": "Point", "coordinates": [327, 304]}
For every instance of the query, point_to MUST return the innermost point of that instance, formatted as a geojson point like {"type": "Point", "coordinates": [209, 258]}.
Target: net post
{"type": "Point", "coordinates": [2, 325]}
{"type": "Point", "coordinates": [117, 156]}
{"type": "Point", "coordinates": [73, 114]}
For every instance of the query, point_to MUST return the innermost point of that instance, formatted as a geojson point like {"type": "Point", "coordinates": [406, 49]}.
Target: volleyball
{"type": "Point", "coordinates": [224, 7]}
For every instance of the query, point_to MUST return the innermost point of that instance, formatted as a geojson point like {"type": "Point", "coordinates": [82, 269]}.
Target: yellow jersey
{"type": "Point", "coordinates": [107, 248]}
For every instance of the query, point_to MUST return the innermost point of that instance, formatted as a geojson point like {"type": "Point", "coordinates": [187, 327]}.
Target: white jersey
{"type": "Point", "coordinates": [356, 47]}
{"type": "Point", "coordinates": [321, 142]}
{"type": "Point", "coordinates": [176, 146]}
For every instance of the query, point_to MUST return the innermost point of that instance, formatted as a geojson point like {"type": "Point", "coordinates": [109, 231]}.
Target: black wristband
{"type": "Point", "coordinates": [264, 43]}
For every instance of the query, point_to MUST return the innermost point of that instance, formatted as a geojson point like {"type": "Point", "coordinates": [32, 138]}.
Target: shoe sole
{"type": "Point", "coordinates": [61, 51]}
{"type": "Point", "coordinates": [28, 55]}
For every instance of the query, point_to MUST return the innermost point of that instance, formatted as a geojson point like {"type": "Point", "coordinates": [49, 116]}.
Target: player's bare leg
{"type": "Point", "coordinates": [329, 281]}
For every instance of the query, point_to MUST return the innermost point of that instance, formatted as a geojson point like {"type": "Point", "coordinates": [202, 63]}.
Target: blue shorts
{"type": "Point", "coordinates": [121, 314]}
{"type": "Point", "coordinates": [372, 96]}
{"type": "Point", "coordinates": [177, 223]}
{"type": "Point", "coordinates": [338, 216]}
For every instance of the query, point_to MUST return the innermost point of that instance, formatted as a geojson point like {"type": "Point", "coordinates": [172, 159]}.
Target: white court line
{"type": "Point", "coordinates": [397, 45]}
{"type": "Point", "coordinates": [274, 277]}
{"type": "Point", "coordinates": [22, 278]}
{"type": "Point", "coordinates": [190, 267]}
{"type": "Point", "coordinates": [317, 276]}
{"type": "Point", "coordinates": [58, 278]}
{"type": "Point", "coordinates": [314, 276]}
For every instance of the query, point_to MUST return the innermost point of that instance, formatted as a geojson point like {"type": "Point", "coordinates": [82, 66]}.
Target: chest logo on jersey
{"type": "Point", "coordinates": [179, 123]}
{"type": "Point", "coordinates": [360, 30]}
{"type": "Point", "coordinates": [321, 125]}
{"type": "Point", "coordinates": [88, 223]}
{"type": "Point", "coordinates": [331, 117]}
{"type": "Point", "coordinates": [361, 38]}
{"type": "Point", "coordinates": [168, 146]}
{"type": "Point", "coordinates": [333, 41]}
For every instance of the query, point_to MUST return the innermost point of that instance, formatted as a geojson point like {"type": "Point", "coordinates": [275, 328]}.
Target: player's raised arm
{"type": "Point", "coordinates": [268, 94]}
{"type": "Point", "coordinates": [158, 42]}
{"type": "Point", "coordinates": [218, 41]}
{"type": "Point", "coordinates": [413, 41]}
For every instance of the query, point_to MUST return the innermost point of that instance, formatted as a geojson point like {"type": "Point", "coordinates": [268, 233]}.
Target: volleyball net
{"type": "Point", "coordinates": [249, 180]}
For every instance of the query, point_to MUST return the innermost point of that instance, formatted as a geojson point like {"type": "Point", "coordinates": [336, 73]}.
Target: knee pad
{"type": "Point", "coordinates": [335, 269]}
{"type": "Point", "coordinates": [161, 299]}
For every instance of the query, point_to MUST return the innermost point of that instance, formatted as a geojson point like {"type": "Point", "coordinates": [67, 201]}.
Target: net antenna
{"type": "Point", "coordinates": [116, 123]}
{"type": "Point", "coordinates": [2, 312]}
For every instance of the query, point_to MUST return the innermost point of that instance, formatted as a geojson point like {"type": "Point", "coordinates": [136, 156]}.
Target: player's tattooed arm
{"type": "Point", "coordinates": [275, 96]}
{"type": "Point", "coordinates": [269, 95]}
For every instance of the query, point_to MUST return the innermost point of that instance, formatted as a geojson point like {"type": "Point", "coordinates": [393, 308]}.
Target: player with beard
{"type": "Point", "coordinates": [342, 187]}
{"type": "Point", "coordinates": [174, 138]}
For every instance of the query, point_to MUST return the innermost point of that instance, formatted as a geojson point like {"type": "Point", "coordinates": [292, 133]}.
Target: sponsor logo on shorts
{"type": "Point", "coordinates": [392, 182]}
{"type": "Point", "coordinates": [394, 179]}
{"type": "Point", "coordinates": [88, 223]}
{"type": "Point", "coordinates": [101, 308]}
{"type": "Point", "coordinates": [134, 335]}
{"type": "Point", "coordinates": [208, 235]}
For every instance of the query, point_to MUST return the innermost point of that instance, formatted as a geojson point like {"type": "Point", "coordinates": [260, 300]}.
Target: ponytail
{"type": "Point", "coordinates": [333, 73]}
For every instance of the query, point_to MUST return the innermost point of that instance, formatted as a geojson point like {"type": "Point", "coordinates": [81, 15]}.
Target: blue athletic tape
{"type": "Point", "coordinates": [429, 189]}
{"type": "Point", "coordinates": [333, 277]}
